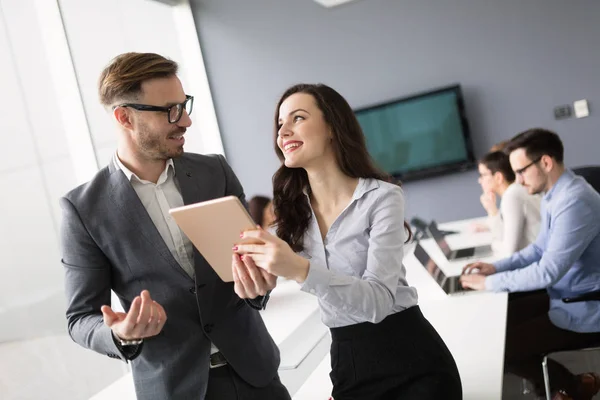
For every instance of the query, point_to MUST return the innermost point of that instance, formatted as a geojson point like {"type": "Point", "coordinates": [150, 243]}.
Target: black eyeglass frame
{"type": "Point", "coordinates": [180, 108]}
{"type": "Point", "coordinates": [520, 171]}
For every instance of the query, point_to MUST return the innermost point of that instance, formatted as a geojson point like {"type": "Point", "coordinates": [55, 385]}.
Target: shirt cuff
{"type": "Point", "coordinates": [129, 352]}
{"type": "Point", "coordinates": [317, 280]}
{"type": "Point", "coordinates": [496, 282]}
{"type": "Point", "coordinates": [502, 265]}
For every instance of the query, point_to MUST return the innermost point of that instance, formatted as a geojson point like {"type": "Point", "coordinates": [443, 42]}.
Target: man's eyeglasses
{"type": "Point", "coordinates": [521, 170]}
{"type": "Point", "coordinates": [174, 112]}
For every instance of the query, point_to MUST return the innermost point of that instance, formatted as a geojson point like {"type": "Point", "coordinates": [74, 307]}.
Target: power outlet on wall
{"type": "Point", "coordinates": [562, 112]}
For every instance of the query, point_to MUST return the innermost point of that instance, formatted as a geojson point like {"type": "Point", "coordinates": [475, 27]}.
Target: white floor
{"type": "Point", "coordinates": [38, 360]}
{"type": "Point", "coordinates": [53, 367]}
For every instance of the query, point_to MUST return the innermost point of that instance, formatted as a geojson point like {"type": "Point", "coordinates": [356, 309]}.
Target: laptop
{"type": "Point", "coordinates": [458, 254]}
{"type": "Point", "coordinates": [449, 284]}
{"type": "Point", "coordinates": [421, 231]}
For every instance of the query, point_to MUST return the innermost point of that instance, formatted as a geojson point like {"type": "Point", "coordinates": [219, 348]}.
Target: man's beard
{"type": "Point", "coordinates": [541, 188]}
{"type": "Point", "coordinates": [156, 146]}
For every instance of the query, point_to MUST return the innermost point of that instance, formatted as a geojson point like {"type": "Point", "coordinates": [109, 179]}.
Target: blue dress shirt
{"type": "Point", "coordinates": [565, 258]}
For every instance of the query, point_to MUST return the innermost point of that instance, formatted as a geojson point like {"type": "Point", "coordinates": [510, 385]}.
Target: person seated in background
{"type": "Point", "coordinates": [261, 211]}
{"type": "Point", "coordinates": [564, 260]}
{"type": "Point", "coordinates": [484, 227]}
{"type": "Point", "coordinates": [516, 224]}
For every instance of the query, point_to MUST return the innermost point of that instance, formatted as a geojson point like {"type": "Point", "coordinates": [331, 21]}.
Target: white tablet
{"type": "Point", "coordinates": [214, 227]}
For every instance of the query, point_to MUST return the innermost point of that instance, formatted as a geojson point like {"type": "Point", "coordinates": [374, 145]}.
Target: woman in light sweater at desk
{"type": "Point", "coordinates": [340, 235]}
{"type": "Point", "coordinates": [516, 224]}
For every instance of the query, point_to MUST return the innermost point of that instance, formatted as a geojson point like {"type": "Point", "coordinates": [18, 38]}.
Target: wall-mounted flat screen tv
{"type": "Point", "coordinates": [419, 136]}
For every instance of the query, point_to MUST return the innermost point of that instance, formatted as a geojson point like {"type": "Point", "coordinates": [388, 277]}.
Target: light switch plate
{"type": "Point", "coordinates": [581, 108]}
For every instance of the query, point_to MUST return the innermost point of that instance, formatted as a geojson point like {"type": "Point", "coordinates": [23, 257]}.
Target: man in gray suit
{"type": "Point", "coordinates": [187, 333]}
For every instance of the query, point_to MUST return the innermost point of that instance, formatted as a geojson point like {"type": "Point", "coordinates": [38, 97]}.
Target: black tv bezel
{"type": "Point", "coordinates": [443, 169]}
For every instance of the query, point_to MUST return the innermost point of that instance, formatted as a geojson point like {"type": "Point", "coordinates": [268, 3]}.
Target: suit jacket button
{"type": "Point", "coordinates": [193, 290]}
{"type": "Point", "coordinates": [208, 328]}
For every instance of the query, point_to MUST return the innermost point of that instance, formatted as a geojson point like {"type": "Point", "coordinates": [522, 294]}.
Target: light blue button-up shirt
{"type": "Point", "coordinates": [565, 258]}
{"type": "Point", "coordinates": [356, 271]}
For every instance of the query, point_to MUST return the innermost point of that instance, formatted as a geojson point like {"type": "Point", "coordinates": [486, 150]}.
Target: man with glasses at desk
{"type": "Point", "coordinates": [187, 333]}
{"type": "Point", "coordinates": [564, 262]}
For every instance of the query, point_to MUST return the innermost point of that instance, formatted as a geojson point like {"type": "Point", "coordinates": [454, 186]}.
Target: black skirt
{"type": "Point", "coordinates": [402, 357]}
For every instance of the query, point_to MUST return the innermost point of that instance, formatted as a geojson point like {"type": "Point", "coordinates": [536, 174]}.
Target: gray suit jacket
{"type": "Point", "coordinates": [110, 242]}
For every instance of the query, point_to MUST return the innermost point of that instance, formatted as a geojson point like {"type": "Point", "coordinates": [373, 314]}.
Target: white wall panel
{"type": "Point", "coordinates": [15, 136]}
{"type": "Point", "coordinates": [30, 59]}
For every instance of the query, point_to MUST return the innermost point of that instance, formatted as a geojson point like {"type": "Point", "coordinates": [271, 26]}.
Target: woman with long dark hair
{"type": "Point", "coordinates": [341, 235]}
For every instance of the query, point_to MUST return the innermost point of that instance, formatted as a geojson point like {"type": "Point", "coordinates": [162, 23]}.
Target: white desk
{"type": "Point", "coordinates": [473, 327]}
{"type": "Point", "coordinates": [463, 225]}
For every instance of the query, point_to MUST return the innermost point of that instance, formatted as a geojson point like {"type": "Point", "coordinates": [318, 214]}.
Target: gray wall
{"type": "Point", "coordinates": [516, 60]}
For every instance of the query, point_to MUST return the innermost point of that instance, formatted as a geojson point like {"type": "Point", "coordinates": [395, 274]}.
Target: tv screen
{"type": "Point", "coordinates": [419, 136]}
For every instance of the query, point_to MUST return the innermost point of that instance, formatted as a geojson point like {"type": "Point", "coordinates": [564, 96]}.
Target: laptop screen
{"type": "Point", "coordinates": [429, 265]}
{"type": "Point", "coordinates": [439, 239]}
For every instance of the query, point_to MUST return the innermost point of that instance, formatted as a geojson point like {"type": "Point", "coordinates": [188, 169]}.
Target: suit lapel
{"type": "Point", "coordinates": [190, 182]}
{"type": "Point", "coordinates": [193, 186]}
{"type": "Point", "coordinates": [128, 203]}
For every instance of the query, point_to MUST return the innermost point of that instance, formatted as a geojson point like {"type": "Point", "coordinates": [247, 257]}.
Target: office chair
{"type": "Point", "coordinates": [591, 296]}
{"type": "Point", "coordinates": [591, 174]}
{"type": "Point", "coordinates": [545, 366]}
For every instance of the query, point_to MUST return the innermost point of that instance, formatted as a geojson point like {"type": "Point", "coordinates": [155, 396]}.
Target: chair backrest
{"type": "Point", "coordinates": [590, 174]}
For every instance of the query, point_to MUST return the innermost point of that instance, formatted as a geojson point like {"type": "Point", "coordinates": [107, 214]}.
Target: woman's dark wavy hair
{"type": "Point", "coordinates": [292, 210]}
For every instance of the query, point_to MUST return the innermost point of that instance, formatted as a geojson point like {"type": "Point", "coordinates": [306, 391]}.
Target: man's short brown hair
{"type": "Point", "coordinates": [537, 142]}
{"type": "Point", "coordinates": [122, 79]}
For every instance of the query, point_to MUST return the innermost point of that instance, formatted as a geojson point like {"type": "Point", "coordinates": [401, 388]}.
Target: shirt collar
{"type": "Point", "coordinates": [560, 184]}
{"type": "Point", "coordinates": [129, 174]}
{"type": "Point", "coordinates": [364, 185]}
